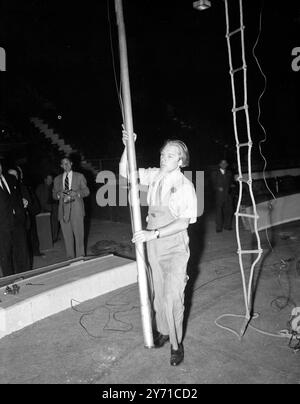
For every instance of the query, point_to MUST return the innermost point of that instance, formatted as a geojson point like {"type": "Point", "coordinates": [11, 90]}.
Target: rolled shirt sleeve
{"type": "Point", "coordinates": [183, 202]}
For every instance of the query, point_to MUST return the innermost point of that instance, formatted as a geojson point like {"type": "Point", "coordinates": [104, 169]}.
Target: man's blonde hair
{"type": "Point", "coordinates": [183, 150]}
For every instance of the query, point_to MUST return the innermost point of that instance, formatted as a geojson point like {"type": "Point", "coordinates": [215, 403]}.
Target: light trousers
{"type": "Point", "coordinates": [73, 230]}
{"type": "Point", "coordinates": [168, 258]}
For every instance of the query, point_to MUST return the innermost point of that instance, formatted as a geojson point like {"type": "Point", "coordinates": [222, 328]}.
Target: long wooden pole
{"type": "Point", "coordinates": [134, 191]}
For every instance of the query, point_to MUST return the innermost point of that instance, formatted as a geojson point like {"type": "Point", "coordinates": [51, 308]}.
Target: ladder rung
{"type": "Point", "coordinates": [247, 215]}
{"type": "Point", "coordinates": [249, 251]}
{"type": "Point", "coordinates": [235, 31]}
{"type": "Point", "coordinates": [238, 69]}
{"type": "Point", "coordinates": [248, 181]}
{"type": "Point", "coordinates": [244, 144]}
{"type": "Point", "coordinates": [239, 108]}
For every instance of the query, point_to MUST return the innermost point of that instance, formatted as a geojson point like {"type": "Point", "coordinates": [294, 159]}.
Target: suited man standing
{"type": "Point", "coordinates": [222, 180]}
{"type": "Point", "coordinates": [14, 254]}
{"type": "Point", "coordinates": [69, 189]}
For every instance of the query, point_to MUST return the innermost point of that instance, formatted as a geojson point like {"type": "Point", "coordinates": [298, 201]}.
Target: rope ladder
{"type": "Point", "coordinates": [246, 177]}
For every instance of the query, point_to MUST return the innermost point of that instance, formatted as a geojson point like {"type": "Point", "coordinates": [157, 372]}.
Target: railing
{"type": "Point", "coordinates": [275, 173]}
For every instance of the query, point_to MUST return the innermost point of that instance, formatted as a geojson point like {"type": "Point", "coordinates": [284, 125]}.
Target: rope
{"type": "Point", "coordinates": [247, 290]}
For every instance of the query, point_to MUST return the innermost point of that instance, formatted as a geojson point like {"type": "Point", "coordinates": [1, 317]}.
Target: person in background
{"type": "Point", "coordinates": [31, 210]}
{"type": "Point", "coordinates": [48, 204]}
{"type": "Point", "coordinates": [222, 181]}
{"type": "Point", "coordinates": [172, 208]}
{"type": "Point", "coordinates": [14, 254]}
{"type": "Point", "coordinates": [69, 189]}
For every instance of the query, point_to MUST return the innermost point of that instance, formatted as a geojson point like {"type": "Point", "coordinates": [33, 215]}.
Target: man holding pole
{"type": "Point", "coordinates": [172, 208]}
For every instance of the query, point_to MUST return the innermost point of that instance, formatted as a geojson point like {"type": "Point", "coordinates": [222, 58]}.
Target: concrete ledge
{"type": "Point", "coordinates": [42, 295]}
{"type": "Point", "coordinates": [274, 212]}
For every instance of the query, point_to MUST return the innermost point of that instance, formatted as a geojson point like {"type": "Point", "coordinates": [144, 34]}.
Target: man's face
{"type": "Point", "coordinates": [170, 158]}
{"type": "Point", "coordinates": [223, 164]}
{"type": "Point", "coordinates": [66, 165]}
{"type": "Point", "coordinates": [49, 180]}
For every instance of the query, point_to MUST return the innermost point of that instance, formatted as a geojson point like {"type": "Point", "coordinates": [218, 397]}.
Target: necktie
{"type": "Point", "coordinates": [67, 183]}
{"type": "Point", "coordinates": [3, 186]}
{"type": "Point", "coordinates": [158, 194]}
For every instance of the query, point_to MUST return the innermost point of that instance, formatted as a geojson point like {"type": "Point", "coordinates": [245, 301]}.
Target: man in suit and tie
{"type": "Point", "coordinates": [69, 189]}
{"type": "Point", "coordinates": [14, 255]}
{"type": "Point", "coordinates": [222, 181]}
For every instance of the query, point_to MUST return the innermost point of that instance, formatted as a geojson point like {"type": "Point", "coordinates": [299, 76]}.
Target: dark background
{"type": "Point", "coordinates": [63, 60]}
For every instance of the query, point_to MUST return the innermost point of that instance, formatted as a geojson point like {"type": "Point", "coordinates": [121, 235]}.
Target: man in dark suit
{"type": "Point", "coordinates": [14, 256]}
{"type": "Point", "coordinates": [222, 181]}
{"type": "Point", "coordinates": [69, 189]}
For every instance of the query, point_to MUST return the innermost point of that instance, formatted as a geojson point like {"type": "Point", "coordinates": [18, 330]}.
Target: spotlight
{"type": "Point", "coordinates": [59, 116]}
{"type": "Point", "coordinates": [201, 4]}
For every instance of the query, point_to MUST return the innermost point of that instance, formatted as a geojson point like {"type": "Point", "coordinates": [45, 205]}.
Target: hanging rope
{"type": "Point", "coordinates": [246, 177]}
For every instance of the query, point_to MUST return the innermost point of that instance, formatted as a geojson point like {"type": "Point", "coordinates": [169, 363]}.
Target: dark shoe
{"type": "Point", "coordinates": [39, 254]}
{"type": "Point", "coordinates": [160, 340]}
{"type": "Point", "coordinates": [177, 355]}
{"type": "Point", "coordinates": [218, 230]}
{"type": "Point", "coordinates": [228, 228]}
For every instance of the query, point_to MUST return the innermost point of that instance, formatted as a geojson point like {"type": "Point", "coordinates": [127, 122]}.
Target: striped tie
{"type": "Point", "coordinates": [158, 194]}
{"type": "Point", "coordinates": [67, 183]}
{"type": "Point", "coordinates": [3, 186]}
